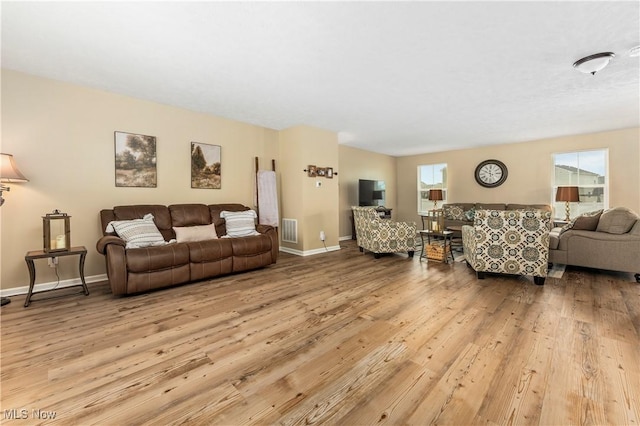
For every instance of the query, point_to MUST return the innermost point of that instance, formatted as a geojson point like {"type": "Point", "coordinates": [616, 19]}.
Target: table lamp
{"type": "Point", "coordinates": [568, 194]}
{"type": "Point", "coordinates": [435, 195]}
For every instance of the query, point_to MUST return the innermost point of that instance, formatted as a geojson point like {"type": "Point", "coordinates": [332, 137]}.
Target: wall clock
{"type": "Point", "coordinates": [491, 173]}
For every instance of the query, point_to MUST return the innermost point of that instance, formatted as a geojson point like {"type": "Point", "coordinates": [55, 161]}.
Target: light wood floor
{"type": "Point", "coordinates": [336, 338]}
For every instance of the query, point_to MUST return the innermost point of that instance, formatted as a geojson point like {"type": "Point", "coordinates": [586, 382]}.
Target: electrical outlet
{"type": "Point", "coordinates": [322, 238]}
{"type": "Point", "coordinates": [53, 262]}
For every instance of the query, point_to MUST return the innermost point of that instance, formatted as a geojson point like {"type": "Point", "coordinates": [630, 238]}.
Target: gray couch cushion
{"type": "Point", "coordinates": [618, 220]}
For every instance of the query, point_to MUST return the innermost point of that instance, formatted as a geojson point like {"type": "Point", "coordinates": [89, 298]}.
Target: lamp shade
{"type": "Point", "coordinates": [9, 172]}
{"type": "Point", "coordinates": [435, 194]}
{"type": "Point", "coordinates": [568, 193]}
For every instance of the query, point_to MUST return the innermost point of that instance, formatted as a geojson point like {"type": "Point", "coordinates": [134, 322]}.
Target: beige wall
{"type": "Point", "coordinates": [315, 207]}
{"type": "Point", "coordinates": [530, 170]}
{"type": "Point", "coordinates": [358, 164]}
{"type": "Point", "coordinates": [61, 136]}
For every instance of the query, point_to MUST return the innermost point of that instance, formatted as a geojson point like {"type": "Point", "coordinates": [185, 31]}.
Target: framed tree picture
{"type": "Point", "coordinates": [206, 166]}
{"type": "Point", "coordinates": [135, 160]}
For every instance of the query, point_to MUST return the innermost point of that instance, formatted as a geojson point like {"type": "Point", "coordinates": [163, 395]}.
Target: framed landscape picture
{"type": "Point", "coordinates": [135, 161]}
{"type": "Point", "coordinates": [206, 167]}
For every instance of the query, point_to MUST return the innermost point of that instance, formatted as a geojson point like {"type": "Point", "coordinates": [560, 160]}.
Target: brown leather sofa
{"type": "Point", "coordinates": [137, 270]}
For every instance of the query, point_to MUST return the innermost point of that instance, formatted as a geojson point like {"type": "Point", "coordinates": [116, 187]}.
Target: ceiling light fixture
{"type": "Point", "coordinates": [593, 63]}
{"type": "Point", "coordinates": [634, 52]}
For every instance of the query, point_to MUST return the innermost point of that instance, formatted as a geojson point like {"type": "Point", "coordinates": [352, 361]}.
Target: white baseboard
{"type": "Point", "coordinates": [345, 238]}
{"type": "Point", "coordinates": [15, 291]}
{"type": "Point", "coordinates": [309, 252]}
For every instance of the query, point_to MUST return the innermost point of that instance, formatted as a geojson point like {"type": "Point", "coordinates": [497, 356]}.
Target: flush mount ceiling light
{"type": "Point", "coordinates": [593, 63]}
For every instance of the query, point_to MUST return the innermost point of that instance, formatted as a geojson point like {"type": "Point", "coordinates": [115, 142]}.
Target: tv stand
{"type": "Point", "coordinates": [384, 212]}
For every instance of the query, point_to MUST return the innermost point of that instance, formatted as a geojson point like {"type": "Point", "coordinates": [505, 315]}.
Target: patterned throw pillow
{"type": "Point", "coordinates": [195, 233]}
{"type": "Point", "coordinates": [240, 224]}
{"type": "Point", "coordinates": [470, 214]}
{"type": "Point", "coordinates": [137, 233]}
{"type": "Point", "coordinates": [453, 212]}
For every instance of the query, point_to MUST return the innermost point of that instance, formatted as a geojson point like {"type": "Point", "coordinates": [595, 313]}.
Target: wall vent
{"type": "Point", "coordinates": [290, 230]}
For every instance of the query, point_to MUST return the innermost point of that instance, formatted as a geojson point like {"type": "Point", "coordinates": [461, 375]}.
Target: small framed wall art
{"type": "Point", "coordinates": [312, 171]}
{"type": "Point", "coordinates": [206, 166]}
{"type": "Point", "coordinates": [135, 160]}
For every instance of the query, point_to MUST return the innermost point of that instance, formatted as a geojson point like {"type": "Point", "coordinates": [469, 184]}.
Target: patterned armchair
{"type": "Point", "coordinates": [508, 242]}
{"type": "Point", "coordinates": [383, 235]}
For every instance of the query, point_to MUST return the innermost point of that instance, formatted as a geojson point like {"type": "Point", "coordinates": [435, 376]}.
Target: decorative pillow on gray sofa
{"type": "Point", "coordinates": [618, 220]}
{"type": "Point", "coordinates": [452, 212]}
{"type": "Point", "coordinates": [585, 222]}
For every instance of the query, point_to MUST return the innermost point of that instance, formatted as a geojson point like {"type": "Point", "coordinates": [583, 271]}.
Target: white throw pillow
{"type": "Point", "coordinates": [195, 233]}
{"type": "Point", "coordinates": [137, 232]}
{"type": "Point", "coordinates": [240, 224]}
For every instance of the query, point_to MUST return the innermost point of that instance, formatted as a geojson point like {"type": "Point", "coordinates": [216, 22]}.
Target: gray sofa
{"type": "Point", "coordinates": [459, 214]}
{"type": "Point", "coordinates": [603, 240]}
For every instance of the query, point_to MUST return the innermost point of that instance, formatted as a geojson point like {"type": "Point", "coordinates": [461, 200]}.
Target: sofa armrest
{"type": "Point", "coordinates": [272, 233]}
{"type": "Point", "coordinates": [103, 242]}
{"type": "Point", "coordinates": [594, 237]}
{"type": "Point", "coordinates": [113, 248]}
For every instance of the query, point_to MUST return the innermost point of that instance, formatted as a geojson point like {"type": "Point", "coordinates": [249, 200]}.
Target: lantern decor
{"type": "Point", "coordinates": [435, 220]}
{"type": "Point", "coordinates": [56, 231]}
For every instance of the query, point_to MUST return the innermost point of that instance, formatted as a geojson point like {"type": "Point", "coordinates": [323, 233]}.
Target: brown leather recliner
{"type": "Point", "coordinates": [137, 270]}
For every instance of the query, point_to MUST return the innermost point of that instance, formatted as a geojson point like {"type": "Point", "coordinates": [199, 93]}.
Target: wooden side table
{"type": "Point", "coordinates": [41, 254]}
{"type": "Point", "coordinates": [445, 235]}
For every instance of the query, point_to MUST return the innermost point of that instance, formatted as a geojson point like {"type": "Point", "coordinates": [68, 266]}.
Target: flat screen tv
{"type": "Point", "coordinates": [371, 192]}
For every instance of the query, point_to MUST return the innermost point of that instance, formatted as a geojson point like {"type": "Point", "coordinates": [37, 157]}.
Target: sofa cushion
{"type": "Point", "coordinates": [137, 232]}
{"type": "Point", "coordinates": [150, 259]}
{"type": "Point", "coordinates": [240, 224]}
{"type": "Point", "coordinates": [618, 220]}
{"type": "Point", "coordinates": [189, 214]}
{"type": "Point", "coordinates": [195, 233]}
{"type": "Point", "coordinates": [494, 206]}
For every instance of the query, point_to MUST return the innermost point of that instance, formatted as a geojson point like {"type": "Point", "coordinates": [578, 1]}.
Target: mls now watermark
{"type": "Point", "coordinates": [25, 414]}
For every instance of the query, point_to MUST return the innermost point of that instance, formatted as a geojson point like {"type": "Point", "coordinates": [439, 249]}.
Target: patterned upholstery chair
{"type": "Point", "coordinates": [383, 235]}
{"type": "Point", "coordinates": [508, 242]}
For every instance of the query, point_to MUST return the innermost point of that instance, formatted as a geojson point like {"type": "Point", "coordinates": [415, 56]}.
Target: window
{"type": "Point", "coordinates": [588, 171]}
{"type": "Point", "coordinates": [431, 176]}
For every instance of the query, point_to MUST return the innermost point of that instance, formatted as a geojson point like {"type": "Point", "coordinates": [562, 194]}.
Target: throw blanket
{"type": "Point", "coordinates": [267, 198]}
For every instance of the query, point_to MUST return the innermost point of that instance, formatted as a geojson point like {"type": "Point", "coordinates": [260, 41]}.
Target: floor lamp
{"type": "Point", "coordinates": [9, 172]}
{"type": "Point", "coordinates": [568, 194]}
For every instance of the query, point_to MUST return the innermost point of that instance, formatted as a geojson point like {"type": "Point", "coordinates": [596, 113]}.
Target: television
{"type": "Point", "coordinates": [371, 193]}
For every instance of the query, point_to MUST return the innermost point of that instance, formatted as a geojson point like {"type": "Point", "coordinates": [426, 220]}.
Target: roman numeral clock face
{"type": "Point", "coordinates": [491, 173]}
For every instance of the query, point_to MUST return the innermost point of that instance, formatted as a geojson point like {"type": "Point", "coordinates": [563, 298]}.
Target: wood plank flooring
{"type": "Point", "coordinates": [336, 338]}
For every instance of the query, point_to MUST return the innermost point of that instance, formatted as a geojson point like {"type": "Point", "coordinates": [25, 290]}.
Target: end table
{"type": "Point", "coordinates": [41, 254]}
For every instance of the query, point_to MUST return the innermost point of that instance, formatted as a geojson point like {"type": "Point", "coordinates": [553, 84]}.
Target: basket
{"type": "Point", "coordinates": [436, 250]}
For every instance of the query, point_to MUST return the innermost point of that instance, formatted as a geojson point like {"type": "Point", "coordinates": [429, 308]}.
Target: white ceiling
{"type": "Point", "coordinates": [399, 78]}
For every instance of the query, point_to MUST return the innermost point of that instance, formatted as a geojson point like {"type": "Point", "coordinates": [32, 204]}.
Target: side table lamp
{"type": "Point", "coordinates": [9, 172]}
{"type": "Point", "coordinates": [435, 195]}
{"type": "Point", "coordinates": [568, 194]}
